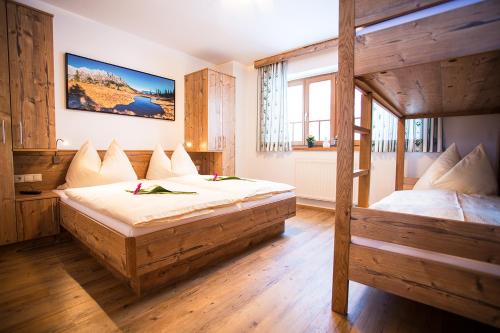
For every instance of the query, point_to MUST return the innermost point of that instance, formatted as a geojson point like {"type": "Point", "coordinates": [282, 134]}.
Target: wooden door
{"type": "Point", "coordinates": [228, 125]}
{"type": "Point", "coordinates": [37, 218]}
{"type": "Point", "coordinates": [215, 90]}
{"type": "Point", "coordinates": [31, 77]}
{"type": "Point", "coordinates": [8, 232]}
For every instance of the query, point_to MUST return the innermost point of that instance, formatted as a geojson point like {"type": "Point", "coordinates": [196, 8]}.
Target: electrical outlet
{"type": "Point", "coordinates": [18, 178]}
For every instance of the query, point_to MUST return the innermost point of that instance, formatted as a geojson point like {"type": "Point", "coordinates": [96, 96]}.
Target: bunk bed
{"type": "Point", "coordinates": [419, 59]}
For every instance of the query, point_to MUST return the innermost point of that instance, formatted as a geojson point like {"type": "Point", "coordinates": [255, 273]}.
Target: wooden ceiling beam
{"type": "Point", "coordinates": [452, 114]}
{"type": "Point", "coordinates": [365, 87]}
{"type": "Point", "coordinates": [316, 47]}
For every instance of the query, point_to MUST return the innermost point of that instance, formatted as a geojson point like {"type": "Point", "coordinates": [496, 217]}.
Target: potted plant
{"type": "Point", "coordinates": [310, 141]}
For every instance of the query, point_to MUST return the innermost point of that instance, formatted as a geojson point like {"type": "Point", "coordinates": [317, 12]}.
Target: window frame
{"type": "Point", "coordinates": [306, 82]}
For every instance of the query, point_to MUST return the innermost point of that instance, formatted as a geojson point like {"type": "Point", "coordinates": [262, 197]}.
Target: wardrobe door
{"type": "Point", "coordinates": [31, 77]}
{"type": "Point", "coordinates": [8, 231]}
{"type": "Point", "coordinates": [215, 88]}
{"type": "Point", "coordinates": [228, 126]}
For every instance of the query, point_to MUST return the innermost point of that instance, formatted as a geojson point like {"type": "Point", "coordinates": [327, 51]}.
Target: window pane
{"type": "Point", "coordinates": [298, 136]}
{"type": "Point", "coordinates": [314, 129]}
{"type": "Point", "coordinates": [319, 100]}
{"type": "Point", "coordinates": [357, 107]}
{"type": "Point", "coordinates": [295, 103]}
{"type": "Point", "coordinates": [325, 131]}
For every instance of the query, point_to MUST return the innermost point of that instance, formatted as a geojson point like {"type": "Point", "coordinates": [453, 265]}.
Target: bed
{"type": "Point", "coordinates": [419, 59]}
{"type": "Point", "coordinates": [148, 256]}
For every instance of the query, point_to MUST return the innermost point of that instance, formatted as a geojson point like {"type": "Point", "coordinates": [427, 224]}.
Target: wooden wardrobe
{"type": "Point", "coordinates": [27, 112]}
{"type": "Point", "coordinates": [209, 121]}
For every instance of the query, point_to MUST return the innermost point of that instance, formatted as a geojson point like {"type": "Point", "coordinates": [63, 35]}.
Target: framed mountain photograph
{"type": "Point", "coordinates": [97, 86]}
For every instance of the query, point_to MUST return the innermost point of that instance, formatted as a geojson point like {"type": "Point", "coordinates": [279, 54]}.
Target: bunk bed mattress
{"type": "Point", "coordinates": [443, 204]}
{"type": "Point", "coordinates": [132, 231]}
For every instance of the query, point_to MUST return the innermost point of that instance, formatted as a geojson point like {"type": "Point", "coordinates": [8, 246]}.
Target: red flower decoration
{"type": "Point", "coordinates": [215, 177]}
{"type": "Point", "coordinates": [138, 188]}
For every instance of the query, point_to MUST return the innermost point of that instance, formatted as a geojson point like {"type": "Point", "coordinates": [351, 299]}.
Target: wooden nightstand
{"type": "Point", "coordinates": [37, 215]}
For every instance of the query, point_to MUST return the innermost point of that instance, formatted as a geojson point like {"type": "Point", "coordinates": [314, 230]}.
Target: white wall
{"type": "Point", "coordinates": [81, 36]}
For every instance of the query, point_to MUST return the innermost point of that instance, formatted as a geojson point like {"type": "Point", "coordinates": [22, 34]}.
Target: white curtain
{"type": "Point", "coordinates": [424, 135]}
{"type": "Point", "coordinates": [273, 133]}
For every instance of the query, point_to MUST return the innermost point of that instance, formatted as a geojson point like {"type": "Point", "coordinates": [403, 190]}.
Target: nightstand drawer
{"type": "Point", "coordinates": [37, 218]}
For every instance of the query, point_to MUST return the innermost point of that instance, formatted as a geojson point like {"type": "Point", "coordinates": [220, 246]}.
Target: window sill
{"type": "Point", "coordinates": [317, 148]}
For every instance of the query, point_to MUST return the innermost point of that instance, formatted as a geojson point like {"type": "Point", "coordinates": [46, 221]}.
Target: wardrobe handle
{"type": "Point", "coordinates": [3, 131]}
{"type": "Point", "coordinates": [21, 131]}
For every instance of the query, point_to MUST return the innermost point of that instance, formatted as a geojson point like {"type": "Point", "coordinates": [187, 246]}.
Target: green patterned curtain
{"type": "Point", "coordinates": [424, 135]}
{"type": "Point", "coordinates": [273, 133]}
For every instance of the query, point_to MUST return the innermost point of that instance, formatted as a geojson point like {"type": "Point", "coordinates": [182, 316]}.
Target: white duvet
{"type": "Point", "coordinates": [246, 189]}
{"type": "Point", "coordinates": [443, 204]}
{"type": "Point", "coordinates": [114, 201]}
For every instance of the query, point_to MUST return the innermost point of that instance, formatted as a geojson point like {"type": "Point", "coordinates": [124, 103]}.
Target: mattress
{"type": "Point", "coordinates": [443, 204]}
{"type": "Point", "coordinates": [132, 231]}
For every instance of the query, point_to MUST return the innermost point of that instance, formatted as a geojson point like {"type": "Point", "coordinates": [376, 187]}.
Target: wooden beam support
{"type": "Point", "coordinates": [457, 33]}
{"type": "Point", "coordinates": [345, 157]}
{"type": "Point", "coordinates": [365, 151]}
{"type": "Point", "coordinates": [362, 130]}
{"type": "Point", "coordinates": [316, 47]}
{"type": "Point", "coordinates": [400, 155]}
{"type": "Point", "coordinates": [366, 88]}
{"type": "Point", "coordinates": [370, 12]}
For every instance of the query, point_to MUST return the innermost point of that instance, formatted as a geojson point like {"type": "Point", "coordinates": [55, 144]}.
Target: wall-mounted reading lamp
{"type": "Point", "coordinates": [56, 159]}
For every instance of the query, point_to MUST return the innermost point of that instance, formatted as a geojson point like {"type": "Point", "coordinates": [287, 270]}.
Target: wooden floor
{"type": "Point", "coordinates": [281, 286]}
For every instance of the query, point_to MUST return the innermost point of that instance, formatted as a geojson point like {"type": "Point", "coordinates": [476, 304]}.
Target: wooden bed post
{"type": "Point", "coordinates": [400, 155]}
{"type": "Point", "coordinates": [345, 156]}
{"type": "Point", "coordinates": [365, 150]}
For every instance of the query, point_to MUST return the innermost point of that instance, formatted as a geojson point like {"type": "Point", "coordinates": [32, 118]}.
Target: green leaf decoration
{"type": "Point", "coordinates": [157, 189]}
{"type": "Point", "coordinates": [218, 179]}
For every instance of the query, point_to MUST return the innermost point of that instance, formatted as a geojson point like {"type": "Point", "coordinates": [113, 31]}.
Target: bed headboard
{"type": "Point", "coordinates": [409, 182]}
{"type": "Point", "coordinates": [53, 174]}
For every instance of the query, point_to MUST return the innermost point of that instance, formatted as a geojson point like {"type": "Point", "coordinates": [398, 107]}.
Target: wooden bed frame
{"type": "Point", "coordinates": [159, 258]}
{"type": "Point", "coordinates": [418, 69]}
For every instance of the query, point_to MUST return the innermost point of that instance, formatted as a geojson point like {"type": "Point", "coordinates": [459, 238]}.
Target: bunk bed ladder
{"type": "Point", "coordinates": [365, 150]}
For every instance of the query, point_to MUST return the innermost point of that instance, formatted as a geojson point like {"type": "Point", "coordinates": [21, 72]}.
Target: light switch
{"type": "Point", "coordinates": [37, 177]}
{"type": "Point", "coordinates": [18, 178]}
{"type": "Point", "coordinates": [28, 178]}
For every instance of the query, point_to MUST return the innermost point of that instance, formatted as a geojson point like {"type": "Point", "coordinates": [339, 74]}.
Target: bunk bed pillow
{"type": "Point", "coordinates": [447, 160]}
{"type": "Point", "coordinates": [160, 165]}
{"type": "Point", "coordinates": [84, 168]}
{"type": "Point", "coordinates": [472, 175]}
{"type": "Point", "coordinates": [182, 164]}
{"type": "Point", "coordinates": [116, 166]}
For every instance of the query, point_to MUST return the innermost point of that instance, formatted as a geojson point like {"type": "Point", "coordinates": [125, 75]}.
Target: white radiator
{"type": "Point", "coordinates": [315, 179]}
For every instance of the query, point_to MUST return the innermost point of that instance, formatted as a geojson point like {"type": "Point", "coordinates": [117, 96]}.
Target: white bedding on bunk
{"type": "Point", "coordinates": [443, 204]}
{"type": "Point", "coordinates": [114, 201]}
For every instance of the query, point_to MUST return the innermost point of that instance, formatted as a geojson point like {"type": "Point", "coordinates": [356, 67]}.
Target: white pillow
{"type": "Point", "coordinates": [181, 162]}
{"type": "Point", "coordinates": [472, 175]}
{"type": "Point", "coordinates": [86, 168]}
{"type": "Point", "coordinates": [160, 165]}
{"type": "Point", "coordinates": [116, 166]}
{"type": "Point", "coordinates": [438, 168]}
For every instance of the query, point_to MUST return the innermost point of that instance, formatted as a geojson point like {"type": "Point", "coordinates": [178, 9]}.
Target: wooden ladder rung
{"type": "Point", "coordinates": [361, 130]}
{"type": "Point", "coordinates": [360, 172]}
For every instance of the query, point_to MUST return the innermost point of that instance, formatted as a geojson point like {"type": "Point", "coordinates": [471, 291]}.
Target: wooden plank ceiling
{"type": "Point", "coordinates": [461, 86]}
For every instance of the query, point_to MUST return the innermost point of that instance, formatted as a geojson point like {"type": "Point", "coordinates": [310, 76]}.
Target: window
{"type": "Point", "coordinates": [384, 129]}
{"type": "Point", "coordinates": [311, 106]}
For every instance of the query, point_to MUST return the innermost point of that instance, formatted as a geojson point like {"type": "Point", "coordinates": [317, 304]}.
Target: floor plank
{"type": "Point", "coordinates": [283, 285]}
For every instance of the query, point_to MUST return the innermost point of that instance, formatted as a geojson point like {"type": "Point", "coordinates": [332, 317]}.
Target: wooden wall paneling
{"type": "Point", "coordinates": [8, 232]}
{"type": "Point", "coordinates": [345, 156]}
{"type": "Point", "coordinates": [430, 39]}
{"type": "Point", "coordinates": [195, 110]}
{"type": "Point", "coordinates": [465, 292]}
{"type": "Point", "coordinates": [31, 77]}
{"type": "Point", "coordinates": [475, 241]}
{"type": "Point", "coordinates": [400, 155]}
{"type": "Point", "coordinates": [53, 175]}
{"type": "Point", "coordinates": [228, 126]}
{"type": "Point", "coordinates": [365, 150]}
{"type": "Point", "coordinates": [37, 218]}
{"type": "Point", "coordinates": [308, 49]}
{"type": "Point", "coordinates": [370, 12]}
